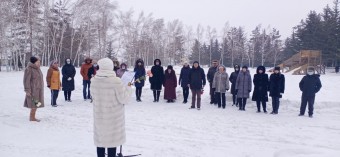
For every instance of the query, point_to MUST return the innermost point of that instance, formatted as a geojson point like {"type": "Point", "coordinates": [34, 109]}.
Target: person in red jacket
{"type": "Point", "coordinates": [86, 80]}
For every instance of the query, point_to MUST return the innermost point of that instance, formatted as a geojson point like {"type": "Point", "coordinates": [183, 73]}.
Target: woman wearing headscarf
{"type": "Point", "coordinates": [68, 71]}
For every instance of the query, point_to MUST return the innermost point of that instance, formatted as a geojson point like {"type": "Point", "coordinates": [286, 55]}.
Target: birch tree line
{"type": "Point", "coordinates": [76, 29]}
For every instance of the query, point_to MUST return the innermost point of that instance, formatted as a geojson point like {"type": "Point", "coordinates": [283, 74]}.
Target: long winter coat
{"type": "Point", "coordinates": [140, 74]}
{"type": "Point", "coordinates": [243, 84]}
{"type": "Point", "coordinates": [261, 85]}
{"type": "Point", "coordinates": [158, 76]}
{"type": "Point", "coordinates": [33, 84]}
{"type": "Point", "coordinates": [276, 85]}
{"type": "Point", "coordinates": [211, 74]}
{"type": "Point", "coordinates": [184, 76]}
{"type": "Point", "coordinates": [53, 78]}
{"type": "Point", "coordinates": [221, 82]}
{"type": "Point", "coordinates": [170, 84]}
{"type": "Point", "coordinates": [197, 78]}
{"type": "Point", "coordinates": [67, 71]}
{"type": "Point", "coordinates": [310, 85]}
{"type": "Point", "coordinates": [232, 80]}
{"type": "Point", "coordinates": [109, 96]}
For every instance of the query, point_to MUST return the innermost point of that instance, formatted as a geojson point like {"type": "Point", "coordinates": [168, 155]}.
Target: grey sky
{"type": "Point", "coordinates": [281, 14]}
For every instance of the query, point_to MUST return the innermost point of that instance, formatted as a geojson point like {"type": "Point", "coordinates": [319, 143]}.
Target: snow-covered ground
{"type": "Point", "coordinates": [164, 130]}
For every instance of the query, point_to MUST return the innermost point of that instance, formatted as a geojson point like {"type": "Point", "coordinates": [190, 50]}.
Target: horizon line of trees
{"type": "Point", "coordinates": [60, 29]}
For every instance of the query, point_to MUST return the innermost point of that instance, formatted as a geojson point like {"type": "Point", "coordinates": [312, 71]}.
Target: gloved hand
{"type": "Point", "coordinates": [48, 86]}
{"type": "Point", "coordinates": [69, 79]}
{"type": "Point", "coordinates": [249, 91]}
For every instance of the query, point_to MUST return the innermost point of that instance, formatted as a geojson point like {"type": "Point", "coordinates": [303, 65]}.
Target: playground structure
{"type": "Point", "coordinates": [299, 62]}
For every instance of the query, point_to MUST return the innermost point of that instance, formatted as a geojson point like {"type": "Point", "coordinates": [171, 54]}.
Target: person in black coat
{"type": "Point", "coordinates": [93, 70]}
{"type": "Point", "coordinates": [336, 69]}
{"type": "Point", "coordinates": [276, 88]}
{"type": "Point", "coordinates": [210, 76]}
{"type": "Point", "coordinates": [197, 82]}
{"type": "Point", "coordinates": [309, 85]}
{"type": "Point", "coordinates": [68, 71]}
{"type": "Point", "coordinates": [184, 81]}
{"type": "Point", "coordinates": [232, 80]}
{"type": "Point", "coordinates": [157, 78]}
{"type": "Point", "coordinates": [139, 78]}
{"type": "Point", "coordinates": [261, 83]}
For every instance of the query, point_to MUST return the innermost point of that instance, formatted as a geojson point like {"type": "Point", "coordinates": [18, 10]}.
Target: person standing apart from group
{"type": "Point", "coordinates": [220, 85]}
{"type": "Point", "coordinates": [157, 79]}
{"type": "Point", "coordinates": [34, 88]}
{"type": "Point", "coordinates": [309, 85]}
{"type": "Point", "coordinates": [139, 78]}
{"type": "Point", "coordinates": [184, 81]}
{"type": "Point", "coordinates": [68, 71]}
{"type": "Point", "coordinates": [197, 82]}
{"type": "Point", "coordinates": [276, 88]}
{"type": "Point", "coordinates": [170, 84]}
{"type": "Point", "coordinates": [243, 87]}
{"type": "Point", "coordinates": [261, 85]}
{"type": "Point", "coordinates": [232, 79]}
{"type": "Point", "coordinates": [210, 76]}
{"type": "Point", "coordinates": [108, 109]}
{"type": "Point", "coordinates": [84, 71]}
{"type": "Point", "coordinates": [53, 81]}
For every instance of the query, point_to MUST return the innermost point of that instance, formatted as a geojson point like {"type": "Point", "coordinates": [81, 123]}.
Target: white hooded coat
{"type": "Point", "coordinates": [109, 96]}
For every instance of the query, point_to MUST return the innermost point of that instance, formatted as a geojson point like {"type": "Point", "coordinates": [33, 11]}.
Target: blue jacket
{"type": "Point", "coordinates": [184, 77]}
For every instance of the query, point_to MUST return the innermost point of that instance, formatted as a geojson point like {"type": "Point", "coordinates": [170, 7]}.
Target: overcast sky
{"type": "Point", "coordinates": [281, 14]}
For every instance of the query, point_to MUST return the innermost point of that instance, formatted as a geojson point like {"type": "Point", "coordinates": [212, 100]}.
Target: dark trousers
{"type": "Point", "coordinates": [242, 102]}
{"type": "Point", "coordinates": [111, 152]}
{"type": "Point", "coordinates": [264, 105]}
{"type": "Point", "coordinates": [86, 89]}
{"type": "Point", "coordinates": [196, 95]}
{"type": "Point", "coordinates": [310, 100]}
{"type": "Point", "coordinates": [212, 94]}
{"type": "Point", "coordinates": [235, 102]}
{"type": "Point", "coordinates": [220, 99]}
{"type": "Point", "coordinates": [67, 95]}
{"type": "Point", "coordinates": [138, 92]}
{"type": "Point", "coordinates": [276, 104]}
{"type": "Point", "coordinates": [185, 93]}
{"type": "Point", "coordinates": [156, 94]}
{"type": "Point", "coordinates": [54, 96]}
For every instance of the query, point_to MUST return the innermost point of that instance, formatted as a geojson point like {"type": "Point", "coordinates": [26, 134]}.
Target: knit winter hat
{"type": "Point", "coordinates": [245, 67]}
{"type": "Point", "coordinates": [105, 64]}
{"type": "Point", "coordinates": [33, 59]}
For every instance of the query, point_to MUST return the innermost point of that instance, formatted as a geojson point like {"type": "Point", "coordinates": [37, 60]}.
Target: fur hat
{"type": "Point", "coordinates": [105, 64]}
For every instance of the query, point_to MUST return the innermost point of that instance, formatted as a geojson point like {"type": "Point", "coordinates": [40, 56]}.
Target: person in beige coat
{"type": "Point", "coordinates": [34, 87]}
{"type": "Point", "coordinates": [109, 96]}
{"type": "Point", "coordinates": [220, 85]}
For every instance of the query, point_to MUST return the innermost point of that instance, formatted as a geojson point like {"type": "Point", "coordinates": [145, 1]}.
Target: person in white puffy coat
{"type": "Point", "coordinates": [109, 96]}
